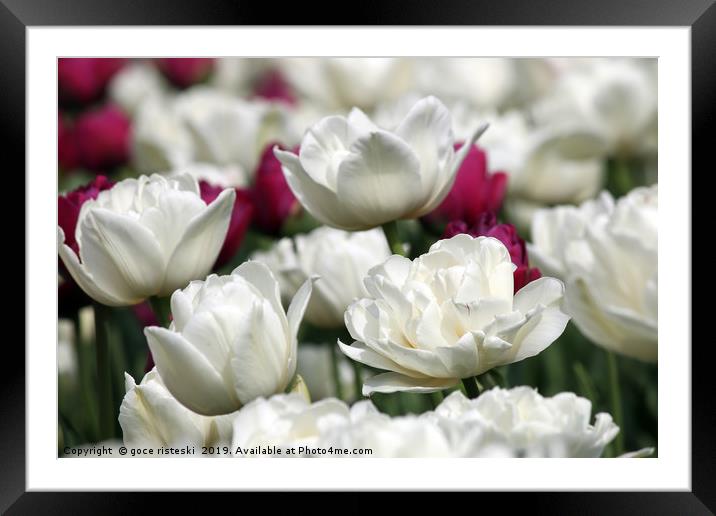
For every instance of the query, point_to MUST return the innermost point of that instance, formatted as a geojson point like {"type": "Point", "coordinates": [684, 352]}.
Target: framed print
{"type": "Point", "coordinates": [358, 258]}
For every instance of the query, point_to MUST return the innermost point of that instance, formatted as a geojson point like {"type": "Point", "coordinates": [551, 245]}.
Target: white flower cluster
{"type": "Point", "coordinates": [514, 422]}
{"type": "Point", "coordinates": [607, 253]}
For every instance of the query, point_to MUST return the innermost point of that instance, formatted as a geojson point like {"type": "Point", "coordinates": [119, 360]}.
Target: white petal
{"type": "Point", "coordinates": [298, 306]}
{"type": "Point", "coordinates": [363, 354]}
{"type": "Point", "coordinates": [322, 147]}
{"type": "Point", "coordinates": [539, 332]}
{"type": "Point", "coordinates": [427, 129]}
{"type": "Point", "coordinates": [132, 248]}
{"type": "Point", "coordinates": [394, 382]}
{"type": "Point", "coordinates": [462, 358]}
{"type": "Point", "coordinates": [360, 122]}
{"type": "Point", "coordinates": [260, 276]}
{"type": "Point", "coordinates": [319, 200]}
{"type": "Point", "coordinates": [260, 364]}
{"type": "Point", "coordinates": [85, 280]}
{"type": "Point", "coordinates": [542, 291]}
{"type": "Point", "coordinates": [379, 181]}
{"type": "Point", "coordinates": [188, 375]}
{"type": "Point", "coordinates": [200, 245]}
{"type": "Point", "coordinates": [447, 177]}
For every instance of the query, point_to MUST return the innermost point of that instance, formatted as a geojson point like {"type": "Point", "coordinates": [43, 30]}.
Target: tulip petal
{"type": "Point", "coordinates": [539, 332]}
{"type": "Point", "coordinates": [448, 178]}
{"type": "Point", "coordinates": [462, 358]}
{"type": "Point", "coordinates": [330, 136]}
{"type": "Point", "coordinates": [379, 181]}
{"type": "Point", "coordinates": [132, 248]}
{"type": "Point", "coordinates": [198, 248]}
{"type": "Point", "coordinates": [317, 199]}
{"type": "Point", "coordinates": [298, 306]}
{"type": "Point", "coordinates": [261, 364]}
{"type": "Point", "coordinates": [171, 215]}
{"type": "Point", "coordinates": [183, 369]}
{"type": "Point", "coordinates": [542, 291]}
{"type": "Point", "coordinates": [427, 129]}
{"type": "Point", "coordinates": [421, 361]}
{"type": "Point", "coordinates": [360, 122]}
{"type": "Point", "coordinates": [394, 382]}
{"type": "Point", "coordinates": [359, 352]}
{"type": "Point", "coordinates": [182, 304]}
{"type": "Point", "coordinates": [85, 280]}
{"type": "Point", "coordinates": [260, 276]}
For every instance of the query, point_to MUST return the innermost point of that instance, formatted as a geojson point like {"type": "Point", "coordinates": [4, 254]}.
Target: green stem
{"type": "Point", "coordinates": [393, 236]}
{"type": "Point", "coordinates": [84, 372]}
{"type": "Point", "coordinates": [436, 398]}
{"type": "Point", "coordinates": [336, 372]}
{"type": "Point", "coordinates": [585, 382]}
{"type": "Point", "coordinates": [104, 379]}
{"type": "Point", "coordinates": [472, 387]}
{"type": "Point", "coordinates": [162, 309]}
{"type": "Point", "coordinates": [616, 401]}
{"type": "Point", "coordinates": [622, 176]}
{"type": "Point", "coordinates": [488, 380]}
{"type": "Point", "coordinates": [357, 379]}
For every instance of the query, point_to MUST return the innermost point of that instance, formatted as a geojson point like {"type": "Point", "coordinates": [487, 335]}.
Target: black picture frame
{"type": "Point", "coordinates": [17, 15]}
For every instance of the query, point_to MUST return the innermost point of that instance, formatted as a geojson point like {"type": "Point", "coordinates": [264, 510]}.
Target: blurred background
{"type": "Point", "coordinates": [561, 130]}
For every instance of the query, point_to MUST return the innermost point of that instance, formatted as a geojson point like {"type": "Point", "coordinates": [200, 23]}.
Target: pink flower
{"type": "Point", "coordinates": [273, 86]}
{"type": "Point", "coordinates": [486, 225]}
{"type": "Point", "coordinates": [271, 196]}
{"type": "Point", "coordinates": [239, 223]}
{"type": "Point", "coordinates": [69, 205]}
{"type": "Point", "coordinates": [185, 71]}
{"type": "Point", "coordinates": [68, 154]}
{"type": "Point", "coordinates": [474, 192]}
{"type": "Point", "coordinates": [102, 137]}
{"type": "Point", "coordinates": [81, 81]}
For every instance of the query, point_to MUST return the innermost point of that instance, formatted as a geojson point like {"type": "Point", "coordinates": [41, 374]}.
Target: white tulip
{"type": "Point", "coordinates": [135, 84]}
{"type": "Point", "coordinates": [146, 237]}
{"type": "Point", "coordinates": [500, 423]}
{"type": "Point", "coordinates": [208, 126]}
{"type": "Point", "coordinates": [341, 83]}
{"type": "Point", "coordinates": [341, 259]}
{"type": "Point", "coordinates": [352, 175]}
{"type": "Point", "coordinates": [486, 83]}
{"type": "Point", "coordinates": [407, 436]}
{"type": "Point", "coordinates": [160, 140]}
{"type": "Point", "coordinates": [237, 75]}
{"type": "Point", "coordinates": [557, 164]}
{"type": "Point", "coordinates": [618, 96]}
{"type": "Point", "coordinates": [506, 142]}
{"type": "Point", "coordinates": [557, 231]}
{"type": "Point", "coordinates": [448, 315]}
{"type": "Point", "coordinates": [151, 417]}
{"type": "Point", "coordinates": [561, 165]}
{"type": "Point", "coordinates": [492, 83]}
{"type": "Point", "coordinates": [284, 421]}
{"type": "Point", "coordinates": [608, 255]}
{"type": "Point", "coordinates": [230, 340]}
{"type": "Point", "coordinates": [551, 164]}
{"type": "Point", "coordinates": [230, 131]}
{"type": "Point", "coordinates": [518, 422]}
